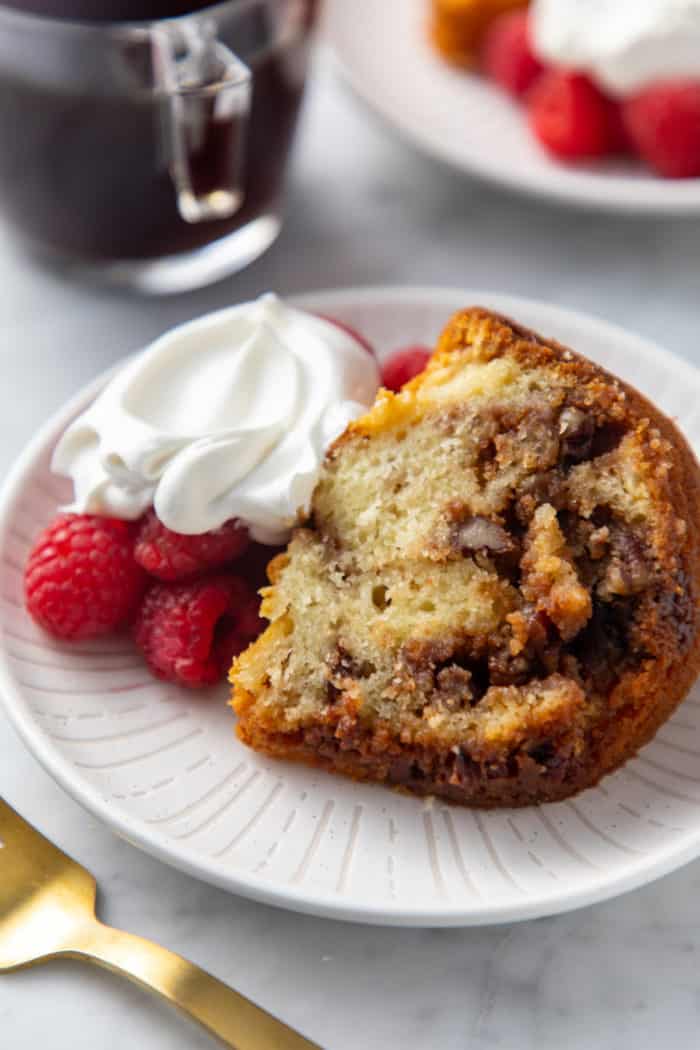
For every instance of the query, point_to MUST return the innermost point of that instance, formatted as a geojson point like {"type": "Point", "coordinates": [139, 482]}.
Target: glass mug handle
{"type": "Point", "coordinates": [207, 93]}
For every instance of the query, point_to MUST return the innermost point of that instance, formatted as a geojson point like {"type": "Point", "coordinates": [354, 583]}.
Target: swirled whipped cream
{"type": "Point", "coordinates": [225, 417]}
{"type": "Point", "coordinates": [623, 44]}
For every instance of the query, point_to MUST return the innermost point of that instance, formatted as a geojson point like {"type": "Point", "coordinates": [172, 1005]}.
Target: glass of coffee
{"type": "Point", "coordinates": [146, 141]}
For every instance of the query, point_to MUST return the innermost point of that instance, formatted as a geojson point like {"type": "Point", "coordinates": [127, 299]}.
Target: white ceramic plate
{"type": "Point", "coordinates": [163, 768]}
{"type": "Point", "coordinates": [384, 51]}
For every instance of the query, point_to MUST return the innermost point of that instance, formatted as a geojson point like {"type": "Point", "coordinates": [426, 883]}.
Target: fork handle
{"type": "Point", "coordinates": [222, 1011]}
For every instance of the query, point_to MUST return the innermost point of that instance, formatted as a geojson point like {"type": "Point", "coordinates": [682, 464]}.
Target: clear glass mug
{"type": "Point", "coordinates": [149, 152]}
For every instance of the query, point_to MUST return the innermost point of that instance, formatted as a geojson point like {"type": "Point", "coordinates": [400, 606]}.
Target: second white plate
{"type": "Point", "coordinates": [163, 768]}
{"type": "Point", "coordinates": [384, 51]}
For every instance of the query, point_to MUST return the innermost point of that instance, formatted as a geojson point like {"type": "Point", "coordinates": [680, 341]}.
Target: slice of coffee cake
{"type": "Point", "coordinates": [495, 598]}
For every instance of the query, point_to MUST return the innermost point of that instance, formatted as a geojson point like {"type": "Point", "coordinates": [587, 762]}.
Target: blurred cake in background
{"type": "Point", "coordinates": [598, 81]}
{"type": "Point", "coordinates": [458, 26]}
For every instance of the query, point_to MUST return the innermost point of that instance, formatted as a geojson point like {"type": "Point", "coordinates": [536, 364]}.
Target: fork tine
{"type": "Point", "coordinates": [29, 855]}
{"type": "Point", "coordinates": [16, 831]}
{"type": "Point", "coordinates": [45, 897]}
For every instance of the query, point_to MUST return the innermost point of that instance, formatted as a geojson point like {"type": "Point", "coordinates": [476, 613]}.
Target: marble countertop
{"type": "Point", "coordinates": [363, 209]}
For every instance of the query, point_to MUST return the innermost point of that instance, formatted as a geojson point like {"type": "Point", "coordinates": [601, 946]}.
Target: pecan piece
{"type": "Point", "coordinates": [482, 534]}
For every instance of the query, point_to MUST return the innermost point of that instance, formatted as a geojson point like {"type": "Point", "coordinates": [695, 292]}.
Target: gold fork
{"type": "Point", "coordinates": [47, 911]}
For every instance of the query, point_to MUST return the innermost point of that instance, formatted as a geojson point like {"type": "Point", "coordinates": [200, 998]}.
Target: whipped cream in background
{"type": "Point", "coordinates": [623, 44]}
{"type": "Point", "coordinates": [226, 417]}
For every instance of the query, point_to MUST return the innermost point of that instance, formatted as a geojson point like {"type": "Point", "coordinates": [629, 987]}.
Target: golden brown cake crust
{"type": "Point", "coordinates": [604, 603]}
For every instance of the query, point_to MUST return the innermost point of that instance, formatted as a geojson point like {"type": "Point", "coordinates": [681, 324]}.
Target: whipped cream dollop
{"type": "Point", "coordinates": [623, 44]}
{"type": "Point", "coordinates": [225, 417]}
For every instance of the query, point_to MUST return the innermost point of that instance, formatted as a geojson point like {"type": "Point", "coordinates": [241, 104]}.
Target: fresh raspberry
{"type": "Point", "coordinates": [663, 122]}
{"type": "Point", "coordinates": [620, 141]}
{"type": "Point", "coordinates": [81, 579]}
{"type": "Point", "coordinates": [352, 332]}
{"type": "Point", "coordinates": [507, 56]}
{"type": "Point", "coordinates": [403, 365]}
{"type": "Point", "coordinates": [570, 116]}
{"type": "Point", "coordinates": [190, 632]}
{"type": "Point", "coordinates": [171, 556]}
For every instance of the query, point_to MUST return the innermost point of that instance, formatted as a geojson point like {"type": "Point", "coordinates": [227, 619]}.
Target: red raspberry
{"type": "Point", "coordinates": [190, 632]}
{"type": "Point", "coordinates": [349, 330]}
{"type": "Point", "coordinates": [507, 56]}
{"type": "Point", "coordinates": [620, 141]}
{"type": "Point", "coordinates": [663, 123]}
{"type": "Point", "coordinates": [171, 556]}
{"type": "Point", "coordinates": [403, 365]}
{"type": "Point", "coordinates": [81, 579]}
{"type": "Point", "coordinates": [570, 116]}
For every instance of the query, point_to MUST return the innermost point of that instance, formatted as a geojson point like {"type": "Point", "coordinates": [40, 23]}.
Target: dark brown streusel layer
{"type": "Point", "coordinates": [612, 558]}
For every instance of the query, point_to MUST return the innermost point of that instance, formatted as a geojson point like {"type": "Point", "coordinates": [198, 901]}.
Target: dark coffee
{"type": "Point", "coordinates": [83, 171]}
{"type": "Point", "coordinates": [109, 10]}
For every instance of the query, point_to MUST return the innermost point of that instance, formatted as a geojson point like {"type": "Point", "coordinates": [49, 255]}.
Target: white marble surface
{"type": "Point", "coordinates": [363, 209]}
